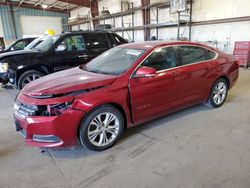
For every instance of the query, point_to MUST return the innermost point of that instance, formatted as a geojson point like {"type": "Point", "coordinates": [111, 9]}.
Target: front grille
{"type": "Point", "coordinates": [25, 109]}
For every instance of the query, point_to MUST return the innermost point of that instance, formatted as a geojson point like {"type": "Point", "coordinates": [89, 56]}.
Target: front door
{"type": "Point", "coordinates": [155, 96]}
{"type": "Point", "coordinates": [70, 52]}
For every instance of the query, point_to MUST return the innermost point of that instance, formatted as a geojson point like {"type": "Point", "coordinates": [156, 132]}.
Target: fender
{"type": "Point", "coordinates": [118, 98]}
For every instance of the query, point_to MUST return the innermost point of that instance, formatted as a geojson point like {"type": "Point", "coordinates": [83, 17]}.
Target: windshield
{"type": "Point", "coordinates": [34, 43]}
{"type": "Point", "coordinates": [114, 61]}
{"type": "Point", "coordinates": [48, 43]}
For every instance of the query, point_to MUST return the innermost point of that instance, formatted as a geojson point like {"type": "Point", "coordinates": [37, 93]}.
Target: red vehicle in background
{"type": "Point", "coordinates": [123, 87]}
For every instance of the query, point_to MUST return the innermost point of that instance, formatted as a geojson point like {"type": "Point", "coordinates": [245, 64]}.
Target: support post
{"type": "Point", "coordinates": [133, 22]}
{"type": "Point", "coordinates": [122, 19]}
{"type": "Point", "coordinates": [178, 24]}
{"type": "Point", "coordinates": [146, 18]}
{"type": "Point", "coordinates": [12, 22]}
{"type": "Point", "coordinates": [190, 20]}
{"type": "Point", "coordinates": [94, 11]}
{"type": "Point", "coordinates": [157, 21]}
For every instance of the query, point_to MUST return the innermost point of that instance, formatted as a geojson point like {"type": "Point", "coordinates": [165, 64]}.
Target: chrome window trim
{"type": "Point", "coordinates": [174, 45]}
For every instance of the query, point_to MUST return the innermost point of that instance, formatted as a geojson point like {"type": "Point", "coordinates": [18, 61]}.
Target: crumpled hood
{"type": "Point", "coordinates": [14, 53]}
{"type": "Point", "coordinates": [66, 81]}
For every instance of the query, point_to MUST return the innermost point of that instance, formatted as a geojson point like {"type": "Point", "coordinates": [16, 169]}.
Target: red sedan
{"type": "Point", "coordinates": [121, 88]}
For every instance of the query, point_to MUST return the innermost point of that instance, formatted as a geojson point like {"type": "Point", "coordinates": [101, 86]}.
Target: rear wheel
{"type": "Point", "coordinates": [101, 128]}
{"type": "Point", "coordinates": [218, 93]}
{"type": "Point", "coordinates": [28, 77]}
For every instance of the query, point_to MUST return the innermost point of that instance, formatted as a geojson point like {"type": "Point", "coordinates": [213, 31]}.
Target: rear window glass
{"type": "Point", "coordinates": [194, 54]}
{"type": "Point", "coordinates": [97, 41]}
{"type": "Point", "coordinates": [210, 54]}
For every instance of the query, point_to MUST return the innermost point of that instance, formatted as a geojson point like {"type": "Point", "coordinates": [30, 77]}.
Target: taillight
{"type": "Point", "coordinates": [237, 62]}
{"type": "Point", "coordinates": [235, 66]}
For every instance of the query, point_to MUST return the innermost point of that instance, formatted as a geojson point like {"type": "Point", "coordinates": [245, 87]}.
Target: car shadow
{"type": "Point", "coordinates": [166, 120]}
{"type": "Point", "coordinates": [80, 151]}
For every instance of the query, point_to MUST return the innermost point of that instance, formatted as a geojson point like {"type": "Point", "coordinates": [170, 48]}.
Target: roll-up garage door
{"type": "Point", "coordinates": [37, 25]}
{"type": "Point", "coordinates": [1, 27]}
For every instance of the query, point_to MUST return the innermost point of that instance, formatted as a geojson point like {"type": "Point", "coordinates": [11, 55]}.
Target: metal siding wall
{"type": "Point", "coordinates": [4, 12]}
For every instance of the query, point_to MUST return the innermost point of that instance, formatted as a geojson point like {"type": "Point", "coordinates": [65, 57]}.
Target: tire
{"type": "Point", "coordinates": [92, 134]}
{"type": "Point", "coordinates": [27, 77]}
{"type": "Point", "coordinates": [218, 93]}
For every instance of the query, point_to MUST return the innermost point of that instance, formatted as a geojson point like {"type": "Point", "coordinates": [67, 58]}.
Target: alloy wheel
{"type": "Point", "coordinates": [219, 93]}
{"type": "Point", "coordinates": [103, 129]}
{"type": "Point", "coordinates": [29, 79]}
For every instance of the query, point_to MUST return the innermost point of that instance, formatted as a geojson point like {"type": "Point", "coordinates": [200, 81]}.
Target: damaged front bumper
{"type": "Point", "coordinates": [50, 131]}
{"type": "Point", "coordinates": [40, 125]}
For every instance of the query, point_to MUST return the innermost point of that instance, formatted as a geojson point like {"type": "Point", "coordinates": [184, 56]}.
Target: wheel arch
{"type": "Point", "coordinates": [122, 111]}
{"type": "Point", "coordinates": [41, 68]}
{"type": "Point", "coordinates": [113, 104]}
{"type": "Point", "coordinates": [225, 77]}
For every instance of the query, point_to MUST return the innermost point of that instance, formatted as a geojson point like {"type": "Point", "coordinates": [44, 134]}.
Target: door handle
{"type": "Point", "coordinates": [206, 69]}
{"type": "Point", "coordinates": [83, 56]}
{"type": "Point", "coordinates": [175, 74]}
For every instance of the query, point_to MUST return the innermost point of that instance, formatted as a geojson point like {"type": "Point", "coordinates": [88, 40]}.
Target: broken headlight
{"type": "Point", "coordinates": [57, 109]}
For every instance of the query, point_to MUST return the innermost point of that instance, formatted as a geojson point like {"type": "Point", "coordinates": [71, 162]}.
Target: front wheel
{"type": "Point", "coordinates": [28, 77]}
{"type": "Point", "coordinates": [101, 128]}
{"type": "Point", "coordinates": [218, 93]}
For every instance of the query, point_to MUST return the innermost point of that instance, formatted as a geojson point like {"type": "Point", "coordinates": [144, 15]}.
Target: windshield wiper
{"type": "Point", "coordinates": [83, 67]}
{"type": "Point", "coordinates": [94, 71]}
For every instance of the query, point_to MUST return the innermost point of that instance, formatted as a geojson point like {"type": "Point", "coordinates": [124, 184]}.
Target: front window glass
{"type": "Point", "coordinates": [48, 43]}
{"type": "Point", "coordinates": [161, 59]}
{"type": "Point", "coordinates": [73, 43]}
{"type": "Point", "coordinates": [114, 61]}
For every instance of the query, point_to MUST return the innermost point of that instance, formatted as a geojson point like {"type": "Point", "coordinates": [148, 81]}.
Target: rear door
{"type": "Point", "coordinates": [97, 43]}
{"type": "Point", "coordinates": [193, 73]}
{"type": "Point", "coordinates": [70, 52]}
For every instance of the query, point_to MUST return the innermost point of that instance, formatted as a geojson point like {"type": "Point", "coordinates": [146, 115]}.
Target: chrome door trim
{"type": "Point", "coordinates": [174, 45]}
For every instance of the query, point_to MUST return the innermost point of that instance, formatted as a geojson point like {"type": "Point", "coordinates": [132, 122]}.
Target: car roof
{"type": "Point", "coordinates": [26, 38]}
{"type": "Point", "coordinates": [146, 45]}
{"type": "Point", "coordinates": [81, 32]}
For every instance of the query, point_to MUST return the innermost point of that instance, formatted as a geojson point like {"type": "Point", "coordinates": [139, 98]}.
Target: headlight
{"type": "Point", "coordinates": [57, 109]}
{"type": "Point", "coordinates": [3, 67]}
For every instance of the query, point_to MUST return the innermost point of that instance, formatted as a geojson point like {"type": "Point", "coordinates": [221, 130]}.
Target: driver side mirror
{"type": "Point", "coordinates": [61, 48]}
{"type": "Point", "coordinates": [143, 72]}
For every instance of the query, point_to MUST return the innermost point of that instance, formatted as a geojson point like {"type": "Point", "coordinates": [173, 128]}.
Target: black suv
{"type": "Point", "coordinates": [56, 53]}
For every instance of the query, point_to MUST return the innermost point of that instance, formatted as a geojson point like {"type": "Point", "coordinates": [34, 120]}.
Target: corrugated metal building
{"type": "Point", "coordinates": [12, 29]}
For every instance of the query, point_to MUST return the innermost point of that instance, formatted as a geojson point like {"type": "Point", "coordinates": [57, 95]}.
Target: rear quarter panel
{"type": "Point", "coordinates": [224, 66]}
